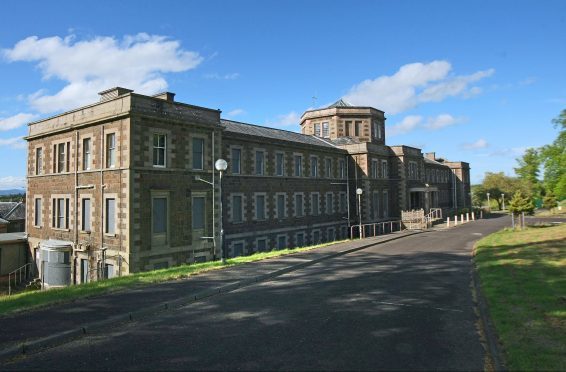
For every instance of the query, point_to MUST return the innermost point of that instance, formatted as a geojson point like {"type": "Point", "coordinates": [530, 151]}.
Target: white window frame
{"type": "Point", "coordinates": [328, 167]}
{"type": "Point", "coordinates": [233, 160]}
{"type": "Point", "coordinates": [282, 155]}
{"type": "Point", "coordinates": [159, 149]}
{"type": "Point", "coordinates": [384, 169]}
{"type": "Point", "coordinates": [298, 172]}
{"type": "Point", "coordinates": [277, 211]}
{"type": "Point", "coordinates": [106, 226]}
{"type": "Point", "coordinates": [261, 170]}
{"type": "Point", "coordinates": [263, 238]}
{"type": "Point", "coordinates": [302, 209]}
{"type": "Point", "coordinates": [193, 197]}
{"type": "Point", "coordinates": [264, 196]}
{"type": "Point", "coordinates": [111, 157]}
{"type": "Point", "coordinates": [38, 214]}
{"type": "Point", "coordinates": [161, 238]}
{"type": "Point", "coordinates": [83, 215]}
{"type": "Point", "coordinates": [317, 129]}
{"type": "Point", "coordinates": [314, 166]}
{"type": "Point", "coordinates": [325, 129]}
{"type": "Point", "coordinates": [39, 160]}
{"type": "Point", "coordinates": [317, 195]}
{"type": "Point", "coordinates": [375, 168]}
{"type": "Point", "coordinates": [329, 206]}
{"type": "Point", "coordinates": [279, 236]}
{"type": "Point", "coordinates": [233, 210]}
{"type": "Point", "coordinates": [87, 153]}
{"type": "Point", "coordinates": [203, 141]}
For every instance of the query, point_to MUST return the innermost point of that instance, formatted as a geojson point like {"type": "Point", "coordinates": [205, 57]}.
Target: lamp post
{"type": "Point", "coordinates": [221, 165]}
{"type": "Point", "coordinates": [488, 204]}
{"type": "Point", "coordinates": [503, 204]}
{"type": "Point", "coordinates": [359, 192]}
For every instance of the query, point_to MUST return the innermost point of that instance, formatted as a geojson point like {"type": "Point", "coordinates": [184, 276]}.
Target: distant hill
{"type": "Point", "coordinates": [12, 191]}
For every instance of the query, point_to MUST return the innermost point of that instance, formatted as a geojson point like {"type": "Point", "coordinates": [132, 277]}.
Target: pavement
{"type": "Point", "coordinates": [421, 283]}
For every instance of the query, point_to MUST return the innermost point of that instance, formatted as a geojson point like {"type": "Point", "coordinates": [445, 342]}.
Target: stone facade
{"type": "Point", "coordinates": [129, 182]}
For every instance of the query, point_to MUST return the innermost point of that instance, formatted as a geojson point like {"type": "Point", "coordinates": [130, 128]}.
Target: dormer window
{"type": "Point", "coordinates": [325, 130]}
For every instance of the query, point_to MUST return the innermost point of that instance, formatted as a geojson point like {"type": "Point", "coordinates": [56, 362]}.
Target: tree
{"type": "Point", "coordinates": [520, 204]}
{"type": "Point", "coordinates": [497, 184]}
{"type": "Point", "coordinates": [528, 170]}
{"type": "Point", "coordinates": [554, 159]}
{"type": "Point", "coordinates": [549, 200]}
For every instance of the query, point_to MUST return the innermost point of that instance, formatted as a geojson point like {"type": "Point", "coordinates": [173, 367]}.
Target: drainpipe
{"type": "Point", "coordinates": [213, 202]}
{"type": "Point", "coordinates": [347, 157]}
{"type": "Point", "coordinates": [102, 159]}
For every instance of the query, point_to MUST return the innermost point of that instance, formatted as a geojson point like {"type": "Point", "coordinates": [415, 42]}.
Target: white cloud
{"type": "Point", "coordinates": [15, 121]}
{"type": "Point", "coordinates": [137, 62]}
{"type": "Point", "coordinates": [479, 144]}
{"type": "Point", "coordinates": [11, 182]}
{"type": "Point", "coordinates": [235, 112]}
{"type": "Point", "coordinates": [217, 76]}
{"type": "Point", "coordinates": [413, 84]}
{"type": "Point", "coordinates": [408, 124]}
{"type": "Point", "coordinates": [287, 120]}
{"type": "Point", "coordinates": [14, 143]}
{"type": "Point", "coordinates": [441, 121]}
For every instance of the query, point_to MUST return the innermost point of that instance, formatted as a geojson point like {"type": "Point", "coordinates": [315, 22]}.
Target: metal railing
{"type": "Point", "coordinates": [26, 270]}
{"type": "Point", "coordinates": [374, 229]}
{"type": "Point", "coordinates": [433, 215]}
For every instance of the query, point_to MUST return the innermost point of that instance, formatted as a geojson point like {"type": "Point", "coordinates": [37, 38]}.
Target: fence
{"type": "Point", "coordinates": [26, 270]}
{"type": "Point", "coordinates": [374, 229]}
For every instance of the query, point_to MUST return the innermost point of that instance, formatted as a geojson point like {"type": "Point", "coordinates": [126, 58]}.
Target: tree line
{"type": "Point", "coordinates": [519, 193]}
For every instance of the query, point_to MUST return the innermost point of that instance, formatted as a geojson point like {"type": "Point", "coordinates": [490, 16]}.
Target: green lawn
{"type": "Point", "coordinates": [35, 299]}
{"type": "Point", "coordinates": [523, 277]}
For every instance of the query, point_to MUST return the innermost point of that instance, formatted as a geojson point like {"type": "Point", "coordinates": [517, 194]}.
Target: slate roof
{"type": "Point", "coordinates": [12, 211]}
{"type": "Point", "coordinates": [346, 141]}
{"type": "Point", "coordinates": [430, 161]}
{"type": "Point", "coordinates": [272, 133]}
{"type": "Point", "coordinates": [340, 103]}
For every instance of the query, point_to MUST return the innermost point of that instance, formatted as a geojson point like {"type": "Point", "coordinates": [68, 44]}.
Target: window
{"type": "Point", "coordinates": [279, 164]}
{"type": "Point", "coordinates": [329, 203]}
{"type": "Point", "coordinates": [260, 207]}
{"type": "Point", "coordinates": [282, 242]}
{"type": "Point", "coordinates": [328, 167]}
{"type": "Point", "coordinates": [300, 239]}
{"type": "Point", "coordinates": [159, 215]}
{"type": "Point", "coordinates": [198, 153]}
{"type": "Point", "coordinates": [86, 154]}
{"type": "Point", "coordinates": [377, 130]}
{"type": "Point", "coordinates": [385, 203]}
{"type": "Point", "coordinates": [314, 166]}
{"type": "Point", "coordinates": [316, 237]}
{"type": "Point", "coordinates": [62, 161]}
{"type": "Point", "coordinates": [159, 150]}
{"type": "Point", "coordinates": [375, 205]}
{"type": "Point", "coordinates": [37, 212]}
{"type": "Point", "coordinates": [343, 203]}
{"type": "Point", "coordinates": [198, 213]}
{"type": "Point", "coordinates": [110, 216]}
{"type": "Point", "coordinates": [384, 170]}
{"type": "Point", "coordinates": [298, 165]}
{"type": "Point", "coordinates": [236, 161]}
{"type": "Point", "coordinates": [374, 168]}
{"type": "Point", "coordinates": [342, 168]}
{"type": "Point", "coordinates": [261, 245]}
{"type": "Point", "coordinates": [413, 170]}
{"type": "Point", "coordinates": [347, 125]}
{"type": "Point", "coordinates": [237, 212]}
{"type": "Point", "coordinates": [85, 217]}
{"type": "Point", "coordinates": [60, 209]}
{"type": "Point", "coordinates": [108, 271]}
{"type": "Point", "coordinates": [331, 234]}
{"type": "Point", "coordinates": [315, 204]}
{"type": "Point", "coordinates": [259, 162]}
{"type": "Point", "coordinates": [299, 205]}
{"type": "Point", "coordinates": [238, 249]}
{"type": "Point", "coordinates": [325, 130]}
{"type": "Point", "coordinates": [317, 130]}
{"type": "Point", "coordinates": [110, 150]}
{"type": "Point", "coordinates": [357, 128]}
{"type": "Point", "coordinates": [39, 160]}
{"type": "Point", "coordinates": [280, 206]}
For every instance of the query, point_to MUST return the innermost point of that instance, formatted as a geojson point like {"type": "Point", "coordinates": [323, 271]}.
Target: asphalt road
{"type": "Point", "coordinates": [405, 304]}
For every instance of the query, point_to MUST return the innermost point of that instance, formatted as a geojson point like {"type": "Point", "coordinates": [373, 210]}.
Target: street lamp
{"type": "Point", "coordinates": [503, 198]}
{"type": "Point", "coordinates": [221, 165]}
{"type": "Point", "coordinates": [488, 204]}
{"type": "Point", "coordinates": [359, 192]}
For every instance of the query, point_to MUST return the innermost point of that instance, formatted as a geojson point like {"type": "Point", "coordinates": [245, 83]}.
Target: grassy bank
{"type": "Point", "coordinates": [523, 277]}
{"type": "Point", "coordinates": [35, 299]}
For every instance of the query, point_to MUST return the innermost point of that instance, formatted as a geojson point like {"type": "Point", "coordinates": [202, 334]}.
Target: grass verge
{"type": "Point", "coordinates": [35, 299]}
{"type": "Point", "coordinates": [523, 277]}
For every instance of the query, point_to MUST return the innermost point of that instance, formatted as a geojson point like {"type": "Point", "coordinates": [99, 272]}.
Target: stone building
{"type": "Point", "coordinates": [126, 182]}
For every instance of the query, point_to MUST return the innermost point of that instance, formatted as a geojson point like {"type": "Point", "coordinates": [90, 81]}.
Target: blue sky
{"type": "Point", "coordinates": [478, 81]}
